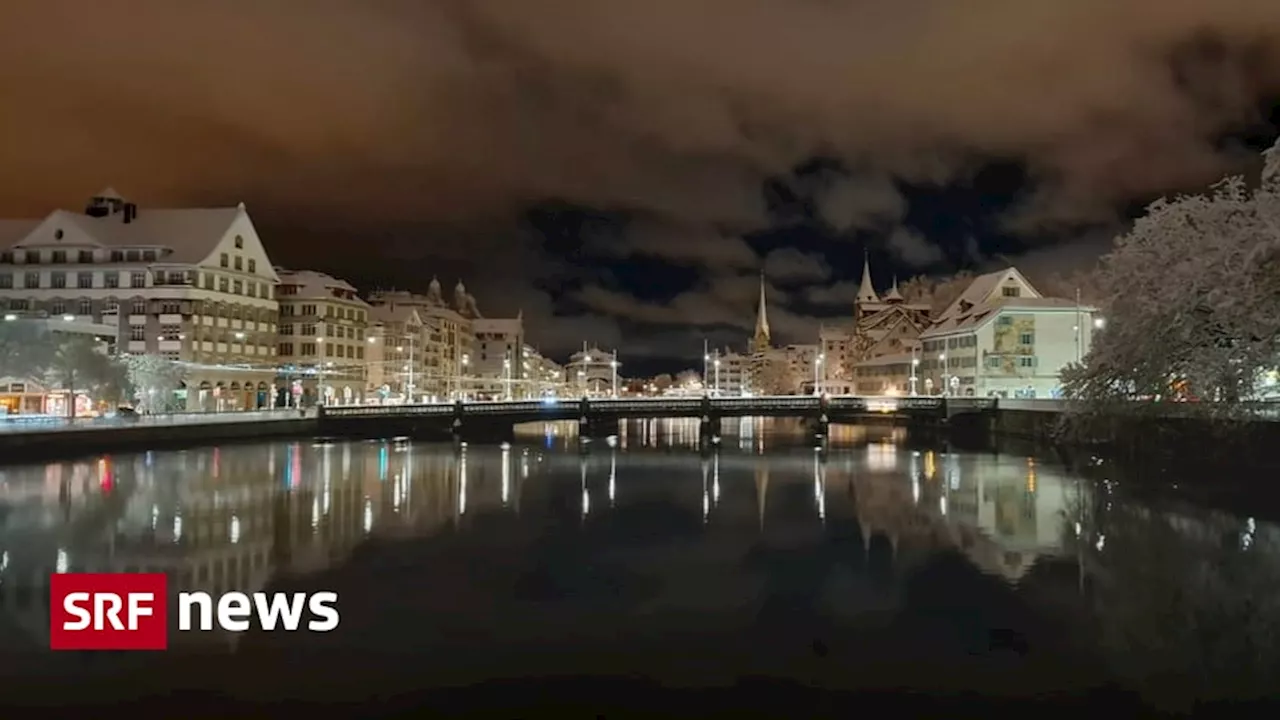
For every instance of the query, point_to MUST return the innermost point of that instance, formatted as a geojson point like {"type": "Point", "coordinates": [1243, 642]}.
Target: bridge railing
{"type": "Point", "coordinates": [22, 424]}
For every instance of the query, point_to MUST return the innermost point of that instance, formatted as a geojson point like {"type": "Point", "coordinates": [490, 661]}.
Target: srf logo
{"type": "Point", "coordinates": [108, 611]}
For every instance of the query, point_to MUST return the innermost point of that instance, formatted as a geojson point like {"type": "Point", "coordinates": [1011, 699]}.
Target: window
{"type": "Point", "coordinates": [285, 349]}
{"type": "Point", "coordinates": [138, 333]}
{"type": "Point", "coordinates": [57, 307]}
{"type": "Point", "coordinates": [84, 280]}
{"type": "Point", "coordinates": [309, 310]}
{"type": "Point", "coordinates": [6, 280]}
{"type": "Point", "coordinates": [308, 349]}
{"type": "Point", "coordinates": [18, 304]}
{"type": "Point", "coordinates": [1011, 291]}
{"type": "Point", "coordinates": [132, 255]}
{"type": "Point", "coordinates": [286, 329]}
{"type": "Point", "coordinates": [59, 256]}
{"type": "Point", "coordinates": [6, 257]}
{"type": "Point", "coordinates": [328, 350]}
{"type": "Point", "coordinates": [237, 288]}
{"type": "Point", "coordinates": [224, 285]}
{"type": "Point", "coordinates": [139, 307]}
{"type": "Point", "coordinates": [32, 257]}
{"type": "Point", "coordinates": [177, 277]}
{"type": "Point", "coordinates": [86, 306]}
{"type": "Point", "coordinates": [1004, 321]}
{"type": "Point", "coordinates": [239, 242]}
{"type": "Point", "coordinates": [111, 279]}
{"type": "Point", "coordinates": [224, 260]}
{"type": "Point", "coordinates": [252, 287]}
{"type": "Point", "coordinates": [1027, 338]}
{"type": "Point", "coordinates": [239, 263]}
{"type": "Point", "coordinates": [117, 256]}
{"type": "Point", "coordinates": [149, 255]}
{"type": "Point", "coordinates": [253, 265]}
{"type": "Point", "coordinates": [137, 279]}
{"type": "Point", "coordinates": [57, 279]}
{"type": "Point", "coordinates": [86, 257]}
{"type": "Point", "coordinates": [1027, 361]}
{"type": "Point", "coordinates": [309, 330]}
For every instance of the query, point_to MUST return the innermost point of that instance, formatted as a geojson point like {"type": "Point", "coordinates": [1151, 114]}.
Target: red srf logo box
{"type": "Point", "coordinates": [108, 611]}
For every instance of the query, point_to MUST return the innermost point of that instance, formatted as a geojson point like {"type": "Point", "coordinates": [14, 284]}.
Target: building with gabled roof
{"type": "Point", "coordinates": [1002, 338]}
{"type": "Point", "coordinates": [193, 285]}
{"type": "Point", "coordinates": [322, 348]}
{"type": "Point", "coordinates": [887, 325]}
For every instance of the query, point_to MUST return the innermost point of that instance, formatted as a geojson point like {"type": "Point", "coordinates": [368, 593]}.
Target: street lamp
{"type": "Point", "coordinates": [915, 363]}
{"type": "Point", "coordinates": [408, 385]}
{"type": "Point", "coordinates": [1099, 323]}
{"type": "Point", "coordinates": [10, 317]}
{"type": "Point", "coordinates": [506, 377]}
{"type": "Point", "coordinates": [817, 368]}
{"type": "Point", "coordinates": [614, 365]}
{"type": "Point", "coordinates": [943, 360]}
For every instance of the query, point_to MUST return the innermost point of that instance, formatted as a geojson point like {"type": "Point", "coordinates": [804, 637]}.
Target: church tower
{"type": "Point", "coordinates": [867, 298]}
{"type": "Point", "coordinates": [760, 342]}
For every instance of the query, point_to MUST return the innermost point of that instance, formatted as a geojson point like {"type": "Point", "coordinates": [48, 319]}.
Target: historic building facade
{"type": "Point", "coordinates": [191, 285]}
{"type": "Point", "coordinates": [322, 350]}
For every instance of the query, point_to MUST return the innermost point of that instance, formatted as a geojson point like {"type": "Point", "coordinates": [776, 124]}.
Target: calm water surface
{"type": "Point", "coordinates": [879, 561]}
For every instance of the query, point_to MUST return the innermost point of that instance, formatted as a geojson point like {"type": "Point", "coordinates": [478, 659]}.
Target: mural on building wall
{"type": "Point", "coordinates": [1008, 346]}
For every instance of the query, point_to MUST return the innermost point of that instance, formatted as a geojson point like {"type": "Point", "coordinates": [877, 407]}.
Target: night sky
{"type": "Point", "coordinates": [621, 170]}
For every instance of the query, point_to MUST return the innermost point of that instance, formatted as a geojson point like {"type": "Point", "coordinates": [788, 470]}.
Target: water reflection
{"type": "Point", "coordinates": [783, 532]}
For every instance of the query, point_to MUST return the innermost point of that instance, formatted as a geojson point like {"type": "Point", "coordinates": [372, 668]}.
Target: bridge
{"type": "Point", "coordinates": [599, 417]}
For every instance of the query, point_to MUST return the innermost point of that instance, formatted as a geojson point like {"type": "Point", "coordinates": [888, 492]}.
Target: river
{"type": "Point", "coordinates": [881, 560]}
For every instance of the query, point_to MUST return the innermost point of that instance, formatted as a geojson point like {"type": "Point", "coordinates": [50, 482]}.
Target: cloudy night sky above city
{"type": "Point", "coordinates": [622, 171]}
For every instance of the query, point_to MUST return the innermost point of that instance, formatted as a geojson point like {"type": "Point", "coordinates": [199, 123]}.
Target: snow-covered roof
{"type": "Point", "coordinates": [394, 314]}
{"type": "Point", "coordinates": [313, 284]}
{"type": "Point", "coordinates": [190, 234]}
{"type": "Point", "coordinates": [980, 315]}
{"type": "Point", "coordinates": [984, 288]}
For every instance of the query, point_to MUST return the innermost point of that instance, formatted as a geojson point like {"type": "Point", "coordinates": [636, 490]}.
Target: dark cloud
{"type": "Point", "coordinates": [789, 265]}
{"type": "Point", "coordinates": [913, 249]}
{"type": "Point", "coordinates": [428, 126]}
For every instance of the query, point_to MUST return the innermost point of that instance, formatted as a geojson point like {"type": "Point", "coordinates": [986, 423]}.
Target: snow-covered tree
{"type": "Point", "coordinates": [938, 292]}
{"type": "Point", "coordinates": [773, 376]}
{"type": "Point", "coordinates": [1191, 298]}
{"type": "Point", "coordinates": [154, 380]}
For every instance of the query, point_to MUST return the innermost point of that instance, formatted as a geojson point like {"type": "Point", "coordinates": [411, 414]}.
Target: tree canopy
{"type": "Point", "coordinates": [1191, 301]}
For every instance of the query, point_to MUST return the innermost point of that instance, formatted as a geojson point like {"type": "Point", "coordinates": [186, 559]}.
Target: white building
{"type": "Point", "coordinates": [497, 359]}
{"type": "Point", "coordinates": [448, 344]}
{"type": "Point", "coordinates": [728, 374]}
{"type": "Point", "coordinates": [323, 341]}
{"type": "Point", "coordinates": [1002, 338]}
{"type": "Point", "coordinates": [191, 285]}
{"type": "Point", "coordinates": [594, 373]}
{"type": "Point", "coordinates": [398, 368]}
{"type": "Point", "coordinates": [544, 376]}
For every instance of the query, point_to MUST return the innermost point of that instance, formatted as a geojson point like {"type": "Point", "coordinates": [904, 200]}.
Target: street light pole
{"type": "Point", "coordinates": [915, 363]}
{"type": "Point", "coordinates": [506, 376]}
{"type": "Point", "coordinates": [817, 368]}
{"type": "Point", "coordinates": [942, 359]}
{"type": "Point", "coordinates": [614, 364]}
{"type": "Point", "coordinates": [717, 372]}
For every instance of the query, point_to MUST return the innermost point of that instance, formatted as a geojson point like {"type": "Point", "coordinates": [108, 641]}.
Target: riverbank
{"type": "Point", "coordinates": [73, 443]}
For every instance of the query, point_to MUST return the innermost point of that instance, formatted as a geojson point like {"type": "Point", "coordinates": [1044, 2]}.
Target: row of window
{"type": "Point", "coordinates": [86, 280]}
{"type": "Point", "coordinates": [308, 349]}
{"type": "Point", "coordinates": [82, 257]}
{"type": "Point", "coordinates": [329, 330]}
{"type": "Point", "coordinates": [309, 310]}
{"type": "Point", "coordinates": [239, 263]}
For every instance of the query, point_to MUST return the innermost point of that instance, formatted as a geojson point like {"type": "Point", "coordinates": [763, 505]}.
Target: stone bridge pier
{"type": "Point", "coordinates": [594, 426]}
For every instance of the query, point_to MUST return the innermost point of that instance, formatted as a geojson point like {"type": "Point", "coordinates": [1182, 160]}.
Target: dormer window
{"type": "Point", "coordinates": [1011, 291]}
{"type": "Point", "coordinates": [117, 256]}
{"type": "Point", "coordinates": [57, 234]}
{"type": "Point", "coordinates": [85, 257]}
{"type": "Point", "coordinates": [239, 243]}
{"type": "Point", "coordinates": [149, 255]}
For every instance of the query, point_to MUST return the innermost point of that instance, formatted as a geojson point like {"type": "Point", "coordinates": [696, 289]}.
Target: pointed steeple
{"type": "Point", "coordinates": [867, 291]}
{"type": "Point", "coordinates": [760, 341]}
{"type": "Point", "coordinates": [894, 295]}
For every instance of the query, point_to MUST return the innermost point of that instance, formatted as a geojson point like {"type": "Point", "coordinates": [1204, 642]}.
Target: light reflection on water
{"type": "Point", "coordinates": [1147, 580]}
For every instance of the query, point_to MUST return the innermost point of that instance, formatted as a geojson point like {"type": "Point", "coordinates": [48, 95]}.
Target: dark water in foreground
{"type": "Point", "coordinates": [876, 564]}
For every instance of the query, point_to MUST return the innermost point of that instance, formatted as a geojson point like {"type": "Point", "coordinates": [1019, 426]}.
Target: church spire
{"type": "Point", "coordinates": [894, 294]}
{"type": "Point", "coordinates": [867, 291]}
{"type": "Point", "coordinates": [760, 341]}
